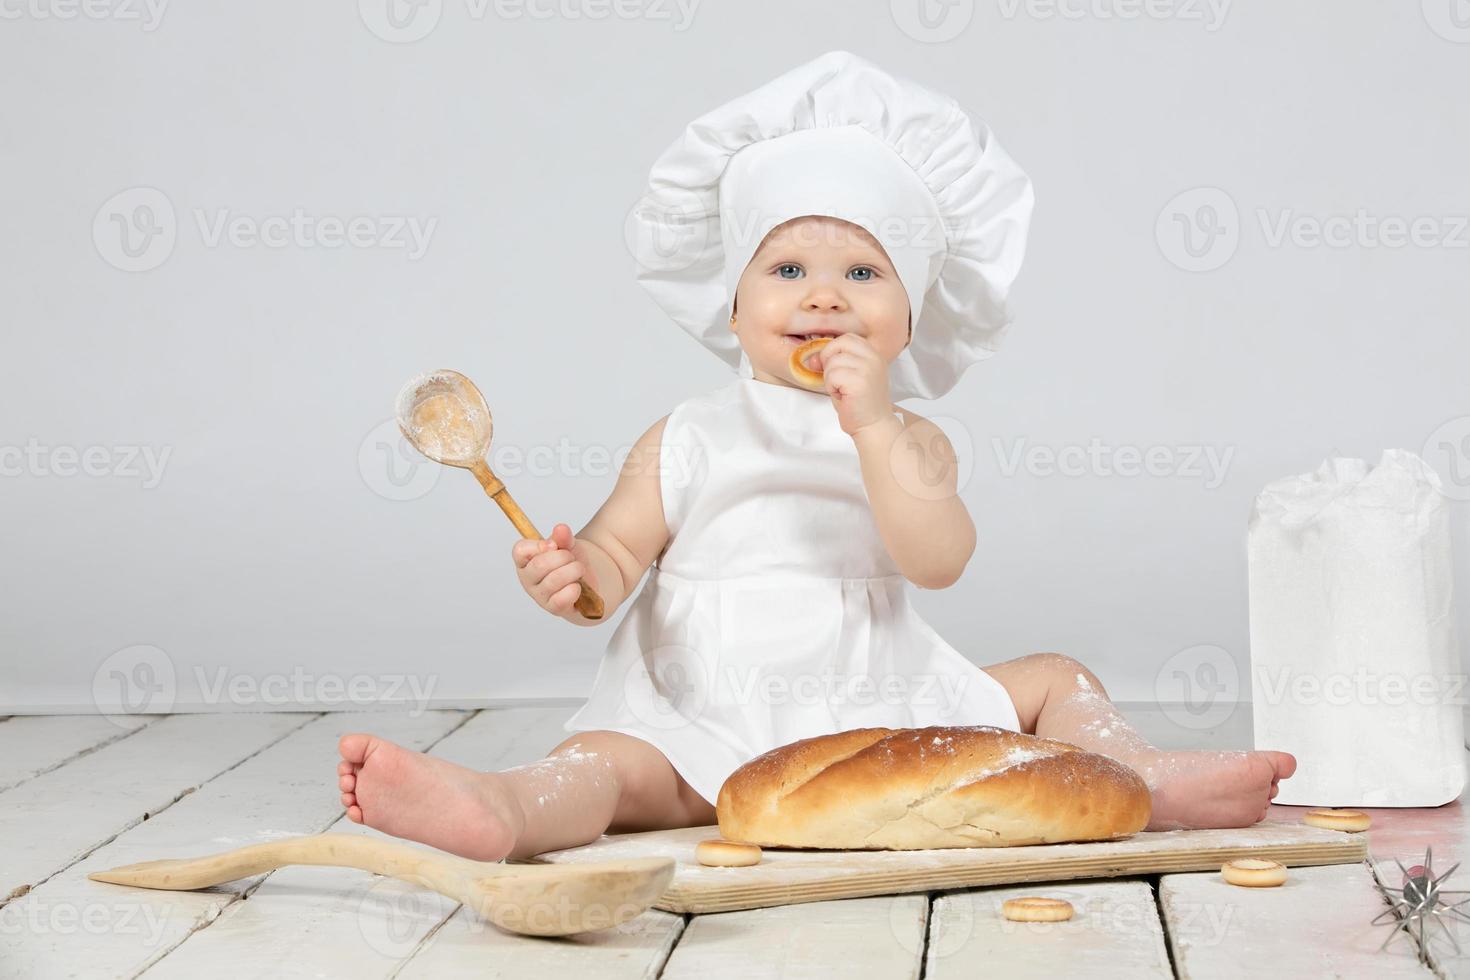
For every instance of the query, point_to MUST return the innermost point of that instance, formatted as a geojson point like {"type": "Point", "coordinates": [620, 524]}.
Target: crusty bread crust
{"type": "Point", "coordinates": [942, 786]}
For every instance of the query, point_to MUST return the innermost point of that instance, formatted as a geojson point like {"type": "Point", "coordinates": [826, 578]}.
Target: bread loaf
{"type": "Point", "coordinates": [943, 786]}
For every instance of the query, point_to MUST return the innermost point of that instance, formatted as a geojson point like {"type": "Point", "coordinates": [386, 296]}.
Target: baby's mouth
{"type": "Point", "coordinates": [797, 339]}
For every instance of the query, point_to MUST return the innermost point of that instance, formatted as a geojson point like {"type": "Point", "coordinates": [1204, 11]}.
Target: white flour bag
{"type": "Point", "coordinates": [1354, 664]}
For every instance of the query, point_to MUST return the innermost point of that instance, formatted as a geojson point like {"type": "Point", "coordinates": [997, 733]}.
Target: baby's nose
{"type": "Point", "coordinates": [825, 299]}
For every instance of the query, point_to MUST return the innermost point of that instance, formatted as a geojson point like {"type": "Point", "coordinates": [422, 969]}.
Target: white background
{"type": "Point", "coordinates": [271, 546]}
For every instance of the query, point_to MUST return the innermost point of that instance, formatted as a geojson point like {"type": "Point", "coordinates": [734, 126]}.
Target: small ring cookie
{"type": "Point", "coordinates": [1034, 909]}
{"type": "Point", "coordinates": [1254, 872]}
{"type": "Point", "coordinates": [1351, 821]}
{"type": "Point", "coordinates": [720, 853]}
{"type": "Point", "coordinates": [802, 373]}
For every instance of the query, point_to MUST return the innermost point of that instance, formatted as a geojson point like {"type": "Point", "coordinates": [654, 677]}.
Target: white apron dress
{"type": "Point", "coordinates": [775, 612]}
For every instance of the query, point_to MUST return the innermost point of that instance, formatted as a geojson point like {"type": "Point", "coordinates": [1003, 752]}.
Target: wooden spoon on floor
{"type": "Point", "coordinates": [445, 417]}
{"type": "Point", "coordinates": [534, 900]}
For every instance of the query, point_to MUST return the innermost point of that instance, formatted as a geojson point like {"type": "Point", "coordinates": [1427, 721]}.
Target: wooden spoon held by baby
{"type": "Point", "coordinates": [445, 417]}
{"type": "Point", "coordinates": [534, 900]}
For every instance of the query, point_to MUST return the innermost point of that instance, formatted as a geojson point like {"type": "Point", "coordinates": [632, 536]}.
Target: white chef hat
{"type": "Point", "coordinates": [840, 137]}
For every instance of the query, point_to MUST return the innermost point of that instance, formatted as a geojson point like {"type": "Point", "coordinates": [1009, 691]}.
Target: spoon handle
{"type": "Point", "coordinates": [445, 873]}
{"type": "Point", "coordinates": [588, 603]}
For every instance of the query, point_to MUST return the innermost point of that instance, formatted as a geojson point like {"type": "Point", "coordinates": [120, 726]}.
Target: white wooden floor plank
{"type": "Point", "coordinates": [1315, 925]}
{"type": "Point", "coordinates": [48, 822]}
{"type": "Point", "coordinates": [71, 926]}
{"type": "Point", "coordinates": [332, 921]}
{"type": "Point", "coordinates": [36, 744]}
{"type": "Point", "coordinates": [857, 938]}
{"type": "Point", "coordinates": [1114, 931]}
{"type": "Point", "coordinates": [468, 947]}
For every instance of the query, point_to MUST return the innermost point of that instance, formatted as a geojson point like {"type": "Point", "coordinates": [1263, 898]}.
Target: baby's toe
{"type": "Point", "coordinates": [347, 783]}
{"type": "Point", "coordinates": [354, 747]}
{"type": "Point", "coordinates": [1283, 762]}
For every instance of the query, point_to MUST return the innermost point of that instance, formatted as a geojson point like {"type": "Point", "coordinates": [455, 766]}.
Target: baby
{"type": "Point", "coordinates": [810, 511]}
{"type": "Point", "coordinates": [810, 274]}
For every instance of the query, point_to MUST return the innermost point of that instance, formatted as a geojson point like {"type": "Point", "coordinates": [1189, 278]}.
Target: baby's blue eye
{"type": "Point", "coordinates": [862, 268]}
{"type": "Point", "coordinates": [781, 270]}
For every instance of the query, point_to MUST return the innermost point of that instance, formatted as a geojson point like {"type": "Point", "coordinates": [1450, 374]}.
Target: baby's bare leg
{"type": "Point", "coordinates": [592, 782]}
{"type": "Point", "coordinates": [1057, 697]}
{"type": "Point", "coordinates": [600, 781]}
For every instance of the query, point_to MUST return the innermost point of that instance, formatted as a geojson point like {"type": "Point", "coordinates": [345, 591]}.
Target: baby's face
{"type": "Point", "coordinates": [817, 275]}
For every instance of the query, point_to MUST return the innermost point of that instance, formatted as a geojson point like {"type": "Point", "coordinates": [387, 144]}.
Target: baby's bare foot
{"type": "Point", "coordinates": [416, 796]}
{"type": "Point", "coordinates": [1196, 790]}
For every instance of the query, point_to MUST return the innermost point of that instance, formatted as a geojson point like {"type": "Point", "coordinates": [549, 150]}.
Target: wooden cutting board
{"type": "Point", "coordinates": [788, 877]}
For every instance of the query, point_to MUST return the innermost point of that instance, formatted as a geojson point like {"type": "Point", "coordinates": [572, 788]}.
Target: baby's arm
{"type": "Point", "coordinates": [629, 531]}
{"type": "Point", "coordinates": [911, 476]}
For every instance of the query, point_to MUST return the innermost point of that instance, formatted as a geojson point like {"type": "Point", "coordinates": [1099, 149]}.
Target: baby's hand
{"type": "Point", "coordinates": [550, 567]}
{"type": "Point", "coordinates": [856, 376]}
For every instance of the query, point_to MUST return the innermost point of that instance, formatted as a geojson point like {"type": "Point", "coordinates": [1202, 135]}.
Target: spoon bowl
{"type": "Point", "coordinates": [445, 417]}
